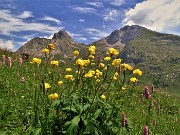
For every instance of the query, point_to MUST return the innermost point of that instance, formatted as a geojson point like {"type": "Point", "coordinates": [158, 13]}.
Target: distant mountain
{"type": "Point", "coordinates": [155, 53]}
{"type": "Point", "coordinates": [64, 46]}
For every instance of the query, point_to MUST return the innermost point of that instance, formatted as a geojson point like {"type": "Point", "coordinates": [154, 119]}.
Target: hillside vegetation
{"type": "Point", "coordinates": [94, 97]}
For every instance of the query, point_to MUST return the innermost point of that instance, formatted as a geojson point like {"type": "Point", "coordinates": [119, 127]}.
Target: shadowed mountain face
{"type": "Point", "coordinates": [155, 53]}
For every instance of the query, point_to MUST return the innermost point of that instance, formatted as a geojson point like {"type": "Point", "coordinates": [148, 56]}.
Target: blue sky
{"type": "Point", "coordinates": [84, 20]}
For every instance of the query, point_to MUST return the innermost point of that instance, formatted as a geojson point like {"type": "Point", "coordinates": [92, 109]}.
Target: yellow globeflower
{"type": "Point", "coordinates": [103, 96]}
{"type": "Point", "coordinates": [114, 78]}
{"type": "Point", "coordinates": [47, 85]}
{"type": "Point", "coordinates": [116, 62]}
{"type": "Point", "coordinates": [92, 72]}
{"type": "Point", "coordinates": [46, 51]}
{"type": "Point", "coordinates": [98, 80]}
{"type": "Point", "coordinates": [116, 74]}
{"type": "Point", "coordinates": [51, 46]}
{"type": "Point", "coordinates": [68, 69]}
{"type": "Point", "coordinates": [36, 60]}
{"type": "Point", "coordinates": [123, 88]}
{"type": "Point", "coordinates": [137, 72]}
{"type": "Point", "coordinates": [69, 77]}
{"type": "Point", "coordinates": [101, 65]}
{"type": "Point", "coordinates": [53, 96]}
{"type": "Point", "coordinates": [126, 67]}
{"type": "Point", "coordinates": [76, 53]}
{"type": "Point", "coordinates": [86, 62]}
{"type": "Point", "coordinates": [60, 82]}
{"type": "Point", "coordinates": [113, 51]}
{"type": "Point", "coordinates": [56, 63]}
{"type": "Point", "coordinates": [88, 75]}
{"type": "Point", "coordinates": [80, 62]}
{"type": "Point", "coordinates": [91, 56]}
{"type": "Point", "coordinates": [107, 58]}
{"type": "Point", "coordinates": [92, 49]}
{"type": "Point", "coordinates": [133, 79]}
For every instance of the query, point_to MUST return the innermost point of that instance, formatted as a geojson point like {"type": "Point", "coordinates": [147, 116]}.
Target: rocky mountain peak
{"type": "Point", "coordinates": [62, 35]}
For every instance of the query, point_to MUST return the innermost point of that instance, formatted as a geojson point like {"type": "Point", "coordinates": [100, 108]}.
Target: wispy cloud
{"type": "Point", "coordinates": [161, 15]}
{"type": "Point", "coordinates": [117, 2]}
{"type": "Point", "coordinates": [48, 18]}
{"type": "Point", "coordinates": [76, 36]}
{"type": "Point", "coordinates": [81, 20]}
{"type": "Point", "coordinates": [25, 14]}
{"type": "Point", "coordinates": [95, 4]}
{"type": "Point", "coordinates": [112, 15]}
{"type": "Point", "coordinates": [10, 22]}
{"type": "Point", "coordinates": [96, 32]}
{"type": "Point", "coordinates": [84, 9]}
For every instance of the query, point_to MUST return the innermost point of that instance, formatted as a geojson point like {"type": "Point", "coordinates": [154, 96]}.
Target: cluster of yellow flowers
{"type": "Point", "coordinates": [133, 79]}
{"type": "Point", "coordinates": [82, 63]}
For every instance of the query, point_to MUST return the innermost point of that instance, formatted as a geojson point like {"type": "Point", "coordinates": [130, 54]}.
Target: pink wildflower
{"type": "Point", "coordinates": [22, 79]}
{"type": "Point", "coordinates": [9, 62]}
{"type": "Point", "coordinates": [3, 59]}
{"type": "Point", "coordinates": [146, 93]}
{"type": "Point", "coordinates": [20, 62]}
{"type": "Point", "coordinates": [145, 131]}
{"type": "Point", "coordinates": [123, 119]}
{"type": "Point", "coordinates": [153, 89]}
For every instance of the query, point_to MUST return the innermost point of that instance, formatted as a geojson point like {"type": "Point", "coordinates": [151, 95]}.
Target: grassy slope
{"type": "Point", "coordinates": [158, 56]}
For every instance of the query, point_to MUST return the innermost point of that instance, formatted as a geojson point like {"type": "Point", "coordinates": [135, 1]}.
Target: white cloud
{"type": "Point", "coordinates": [112, 15]}
{"type": "Point", "coordinates": [161, 15]}
{"type": "Point", "coordinates": [117, 2]}
{"type": "Point", "coordinates": [96, 32]}
{"type": "Point", "coordinates": [8, 44]}
{"type": "Point", "coordinates": [81, 20]}
{"type": "Point", "coordinates": [25, 14]}
{"type": "Point", "coordinates": [84, 9]}
{"type": "Point", "coordinates": [12, 23]}
{"type": "Point", "coordinates": [95, 4]}
{"type": "Point", "coordinates": [48, 18]}
{"type": "Point", "coordinates": [95, 38]}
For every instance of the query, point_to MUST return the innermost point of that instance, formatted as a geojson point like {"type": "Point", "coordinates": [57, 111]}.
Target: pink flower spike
{"type": "Point", "coordinates": [3, 59]}
{"type": "Point", "coordinates": [146, 92]}
{"type": "Point", "coordinates": [20, 62]}
{"type": "Point", "coordinates": [9, 62]}
{"type": "Point", "coordinates": [22, 79]}
{"type": "Point", "coordinates": [145, 131]}
{"type": "Point", "coordinates": [123, 119]}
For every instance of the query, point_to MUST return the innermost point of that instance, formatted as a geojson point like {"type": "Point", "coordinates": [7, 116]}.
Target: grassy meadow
{"type": "Point", "coordinates": [95, 96]}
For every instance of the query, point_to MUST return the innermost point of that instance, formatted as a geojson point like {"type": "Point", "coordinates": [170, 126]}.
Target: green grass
{"type": "Point", "coordinates": [79, 109]}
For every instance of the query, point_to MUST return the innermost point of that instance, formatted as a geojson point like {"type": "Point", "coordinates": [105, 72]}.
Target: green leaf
{"type": "Point", "coordinates": [37, 131]}
{"type": "Point", "coordinates": [69, 109]}
{"type": "Point", "coordinates": [96, 114]}
{"type": "Point", "coordinates": [73, 127]}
